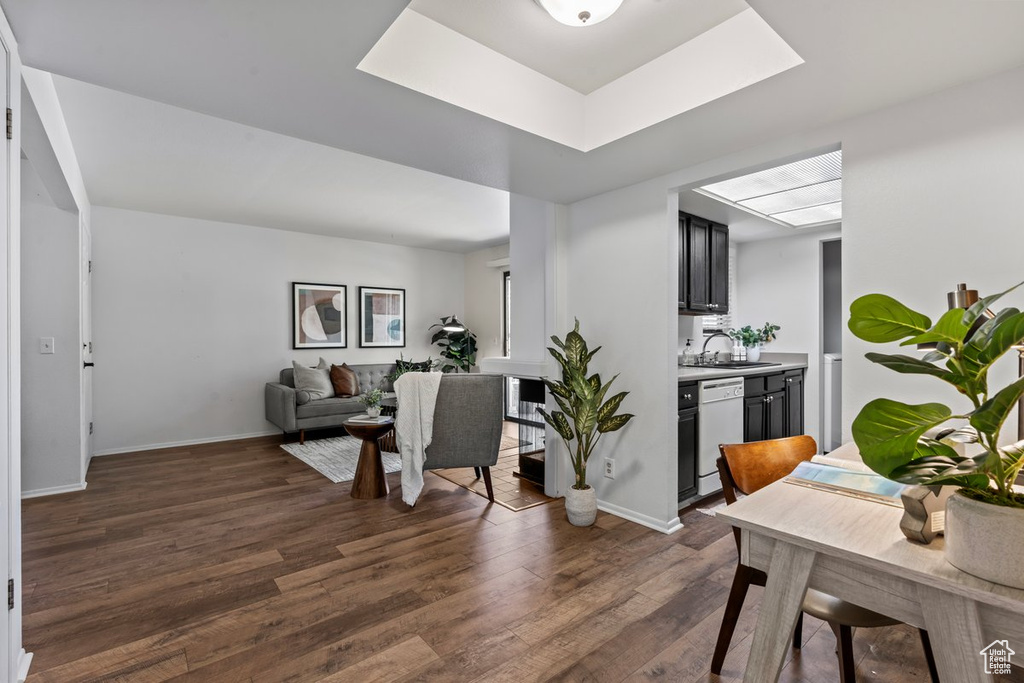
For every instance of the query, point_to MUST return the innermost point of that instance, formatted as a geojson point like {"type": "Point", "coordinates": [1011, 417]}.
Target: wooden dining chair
{"type": "Point", "coordinates": [745, 468]}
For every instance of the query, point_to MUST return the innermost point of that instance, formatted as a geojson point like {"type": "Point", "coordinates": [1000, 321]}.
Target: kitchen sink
{"type": "Point", "coordinates": [731, 365]}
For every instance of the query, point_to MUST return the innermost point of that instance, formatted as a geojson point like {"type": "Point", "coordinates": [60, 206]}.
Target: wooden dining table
{"type": "Point", "coordinates": [853, 548]}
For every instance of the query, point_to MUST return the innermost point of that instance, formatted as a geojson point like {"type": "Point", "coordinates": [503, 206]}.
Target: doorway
{"type": "Point", "coordinates": [831, 344]}
{"type": "Point", "coordinates": [55, 319]}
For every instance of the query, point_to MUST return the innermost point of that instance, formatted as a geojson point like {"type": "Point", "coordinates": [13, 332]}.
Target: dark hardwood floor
{"type": "Point", "coordinates": [236, 562]}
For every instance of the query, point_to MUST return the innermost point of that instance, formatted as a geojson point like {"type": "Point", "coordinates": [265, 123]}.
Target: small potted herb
{"type": "Point", "coordinates": [371, 399]}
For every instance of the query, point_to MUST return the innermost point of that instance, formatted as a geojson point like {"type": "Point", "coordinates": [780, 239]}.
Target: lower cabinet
{"type": "Point", "coordinates": [773, 406]}
{"type": "Point", "coordinates": [687, 453]}
{"type": "Point", "coordinates": [688, 441]}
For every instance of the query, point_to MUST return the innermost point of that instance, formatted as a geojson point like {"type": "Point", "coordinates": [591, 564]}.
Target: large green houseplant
{"type": "Point", "coordinates": [457, 342]}
{"type": "Point", "coordinates": [584, 416]}
{"type": "Point", "coordinates": [891, 435]}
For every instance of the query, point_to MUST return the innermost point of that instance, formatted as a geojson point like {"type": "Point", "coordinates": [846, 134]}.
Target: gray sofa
{"type": "Point", "coordinates": [284, 411]}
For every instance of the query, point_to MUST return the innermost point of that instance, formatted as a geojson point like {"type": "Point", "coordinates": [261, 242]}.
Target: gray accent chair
{"type": "Point", "coordinates": [467, 424]}
{"type": "Point", "coordinates": [284, 410]}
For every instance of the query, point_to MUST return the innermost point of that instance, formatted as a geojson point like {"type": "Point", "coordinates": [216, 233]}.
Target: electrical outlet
{"type": "Point", "coordinates": [46, 345]}
{"type": "Point", "coordinates": [609, 468]}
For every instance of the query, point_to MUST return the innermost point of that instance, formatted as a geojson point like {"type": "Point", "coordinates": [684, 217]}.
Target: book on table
{"type": "Point", "coordinates": [848, 482]}
{"type": "Point", "coordinates": [366, 419]}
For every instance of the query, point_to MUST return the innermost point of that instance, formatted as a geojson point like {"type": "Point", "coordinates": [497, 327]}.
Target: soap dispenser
{"type": "Point", "coordinates": [688, 355]}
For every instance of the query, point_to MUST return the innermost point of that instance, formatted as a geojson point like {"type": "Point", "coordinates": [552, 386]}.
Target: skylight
{"type": "Point", "coordinates": [802, 194]}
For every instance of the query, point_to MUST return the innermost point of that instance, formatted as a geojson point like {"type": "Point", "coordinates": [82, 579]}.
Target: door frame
{"type": "Point", "coordinates": [15, 666]}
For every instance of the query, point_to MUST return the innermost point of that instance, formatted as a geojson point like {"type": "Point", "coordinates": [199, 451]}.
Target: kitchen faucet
{"type": "Point", "coordinates": [704, 349]}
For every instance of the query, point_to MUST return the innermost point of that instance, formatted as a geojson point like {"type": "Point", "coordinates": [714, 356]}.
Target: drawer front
{"type": "Point", "coordinates": [754, 386]}
{"type": "Point", "coordinates": [775, 382]}
{"type": "Point", "coordinates": [687, 396]}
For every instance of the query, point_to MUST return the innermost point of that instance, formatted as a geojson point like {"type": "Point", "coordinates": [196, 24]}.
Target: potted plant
{"type": "Point", "coordinates": [754, 339]}
{"type": "Point", "coordinates": [985, 518]}
{"type": "Point", "coordinates": [371, 399]}
{"type": "Point", "coordinates": [457, 342]}
{"type": "Point", "coordinates": [584, 417]}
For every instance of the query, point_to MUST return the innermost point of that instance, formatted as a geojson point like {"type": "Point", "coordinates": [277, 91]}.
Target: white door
{"type": "Point", "coordinates": [9, 390]}
{"type": "Point", "coordinates": [86, 345]}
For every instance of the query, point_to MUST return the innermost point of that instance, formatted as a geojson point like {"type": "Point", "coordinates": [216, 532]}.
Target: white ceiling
{"type": "Point", "coordinates": [290, 68]}
{"type": "Point", "coordinates": [140, 154]}
{"type": "Point", "coordinates": [584, 58]}
{"type": "Point", "coordinates": [418, 53]}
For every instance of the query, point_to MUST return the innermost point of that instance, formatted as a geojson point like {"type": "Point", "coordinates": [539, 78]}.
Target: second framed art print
{"type": "Point", "coordinates": [381, 317]}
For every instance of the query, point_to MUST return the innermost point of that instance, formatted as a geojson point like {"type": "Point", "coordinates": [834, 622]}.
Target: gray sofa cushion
{"type": "Point", "coordinates": [312, 383]}
{"type": "Point", "coordinates": [330, 406]}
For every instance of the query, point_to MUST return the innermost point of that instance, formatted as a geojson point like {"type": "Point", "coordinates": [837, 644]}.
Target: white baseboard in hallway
{"type": "Point", "coordinates": [54, 490]}
{"type": "Point", "coordinates": [179, 444]}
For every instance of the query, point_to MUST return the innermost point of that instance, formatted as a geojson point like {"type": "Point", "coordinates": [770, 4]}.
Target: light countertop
{"type": "Point", "coordinates": [787, 361]}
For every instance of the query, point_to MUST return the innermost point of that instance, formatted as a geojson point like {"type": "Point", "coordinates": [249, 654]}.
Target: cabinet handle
{"type": "Point", "coordinates": [687, 396]}
{"type": "Point", "coordinates": [790, 379]}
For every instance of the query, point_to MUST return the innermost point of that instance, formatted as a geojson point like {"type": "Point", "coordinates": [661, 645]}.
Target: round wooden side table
{"type": "Point", "coordinates": [369, 481]}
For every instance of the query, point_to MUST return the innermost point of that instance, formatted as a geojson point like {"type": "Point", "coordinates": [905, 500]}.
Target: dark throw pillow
{"type": "Point", "coordinates": [344, 380]}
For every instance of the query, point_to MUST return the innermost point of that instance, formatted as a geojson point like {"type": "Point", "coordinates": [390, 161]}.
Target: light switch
{"type": "Point", "coordinates": [46, 345]}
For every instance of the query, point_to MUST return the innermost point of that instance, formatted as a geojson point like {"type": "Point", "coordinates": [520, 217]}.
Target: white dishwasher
{"type": "Point", "coordinates": [721, 421]}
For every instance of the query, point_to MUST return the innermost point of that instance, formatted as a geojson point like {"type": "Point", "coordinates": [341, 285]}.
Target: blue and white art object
{"type": "Point", "coordinates": [319, 315]}
{"type": "Point", "coordinates": [381, 317]}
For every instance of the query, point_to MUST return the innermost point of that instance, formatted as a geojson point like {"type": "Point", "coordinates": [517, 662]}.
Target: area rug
{"type": "Point", "coordinates": [509, 491]}
{"type": "Point", "coordinates": [336, 458]}
{"type": "Point", "coordinates": [510, 442]}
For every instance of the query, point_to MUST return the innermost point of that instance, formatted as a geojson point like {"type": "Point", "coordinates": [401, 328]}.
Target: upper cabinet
{"type": "Point", "coordinates": [703, 266]}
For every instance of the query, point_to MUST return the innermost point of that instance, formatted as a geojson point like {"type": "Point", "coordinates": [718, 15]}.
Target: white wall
{"type": "Point", "coordinates": [192, 318]}
{"type": "Point", "coordinates": [778, 281]}
{"type": "Point", "coordinates": [531, 222]}
{"type": "Point", "coordinates": [621, 282]}
{"type": "Point", "coordinates": [51, 391]}
{"type": "Point", "coordinates": [484, 299]}
{"type": "Point", "coordinates": [931, 197]}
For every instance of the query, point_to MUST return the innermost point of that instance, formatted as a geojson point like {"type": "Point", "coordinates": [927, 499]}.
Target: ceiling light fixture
{"type": "Point", "coordinates": [580, 12]}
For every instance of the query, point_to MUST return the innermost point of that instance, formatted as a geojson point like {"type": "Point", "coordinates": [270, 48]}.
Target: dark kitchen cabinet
{"type": "Point", "coordinates": [795, 402]}
{"type": "Point", "coordinates": [703, 266]}
{"type": "Point", "coordinates": [773, 406]}
{"type": "Point", "coordinates": [718, 277]}
{"type": "Point", "coordinates": [688, 444]}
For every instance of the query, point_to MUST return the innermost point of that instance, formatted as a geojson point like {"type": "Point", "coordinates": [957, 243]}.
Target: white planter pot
{"type": "Point", "coordinates": [581, 506]}
{"type": "Point", "coordinates": [753, 353]}
{"type": "Point", "coordinates": [373, 412]}
{"type": "Point", "coordinates": [985, 540]}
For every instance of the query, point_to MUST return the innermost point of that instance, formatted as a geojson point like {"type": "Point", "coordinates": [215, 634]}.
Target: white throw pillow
{"type": "Point", "coordinates": [314, 382]}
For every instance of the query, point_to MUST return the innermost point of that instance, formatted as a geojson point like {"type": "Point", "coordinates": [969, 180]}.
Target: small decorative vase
{"type": "Point", "coordinates": [373, 411]}
{"type": "Point", "coordinates": [581, 506]}
{"type": "Point", "coordinates": [985, 540]}
{"type": "Point", "coordinates": [754, 353]}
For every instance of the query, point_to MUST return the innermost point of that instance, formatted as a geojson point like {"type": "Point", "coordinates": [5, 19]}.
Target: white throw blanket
{"type": "Point", "coordinates": [414, 426]}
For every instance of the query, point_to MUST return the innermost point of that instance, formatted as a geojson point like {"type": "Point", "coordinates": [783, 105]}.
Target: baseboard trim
{"type": "Point", "coordinates": [178, 444]}
{"type": "Point", "coordinates": [53, 491]}
{"type": "Point", "coordinates": [669, 527]}
{"type": "Point", "coordinates": [24, 662]}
